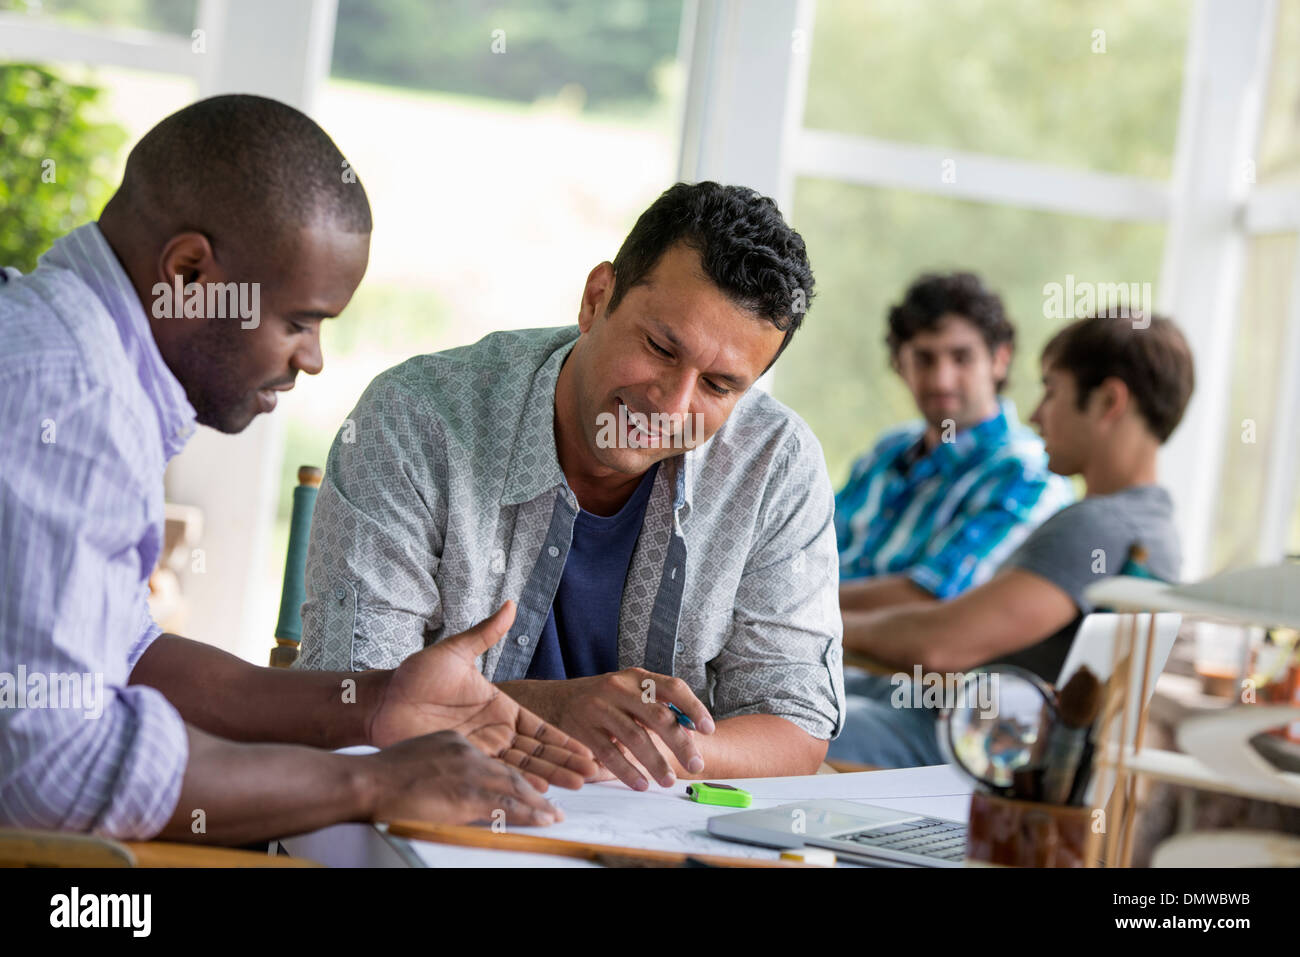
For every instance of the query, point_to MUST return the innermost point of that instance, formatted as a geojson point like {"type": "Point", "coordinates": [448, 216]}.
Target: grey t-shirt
{"type": "Point", "coordinates": [1089, 541]}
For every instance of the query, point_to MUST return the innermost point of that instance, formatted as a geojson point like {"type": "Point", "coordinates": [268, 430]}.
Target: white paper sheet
{"type": "Point", "coordinates": [665, 819]}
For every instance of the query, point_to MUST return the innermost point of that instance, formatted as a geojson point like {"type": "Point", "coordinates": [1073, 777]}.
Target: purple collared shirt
{"type": "Point", "coordinates": [89, 416]}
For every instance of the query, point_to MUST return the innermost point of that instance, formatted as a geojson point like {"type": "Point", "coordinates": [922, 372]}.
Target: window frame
{"type": "Point", "coordinates": [744, 123]}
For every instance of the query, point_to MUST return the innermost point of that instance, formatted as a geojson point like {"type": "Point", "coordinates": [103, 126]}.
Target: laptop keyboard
{"type": "Point", "coordinates": [927, 836]}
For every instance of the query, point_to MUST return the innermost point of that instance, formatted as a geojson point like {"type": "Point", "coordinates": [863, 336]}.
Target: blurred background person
{"type": "Point", "coordinates": [938, 503]}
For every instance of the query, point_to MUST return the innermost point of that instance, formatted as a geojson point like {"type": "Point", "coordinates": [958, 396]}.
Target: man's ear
{"type": "Point", "coordinates": [596, 295]}
{"type": "Point", "coordinates": [1001, 357]}
{"type": "Point", "coordinates": [1112, 398]}
{"type": "Point", "coordinates": [188, 255]}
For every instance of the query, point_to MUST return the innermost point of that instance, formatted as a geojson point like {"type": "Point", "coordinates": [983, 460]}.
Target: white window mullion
{"type": "Point", "coordinates": [1281, 483]}
{"type": "Point", "coordinates": [28, 38]}
{"type": "Point", "coordinates": [1200, 281]}
{"type": "Point", "coordinates": [281, 50]}
{"type": "Point", "coordinates": [746, 83]}
{"type": "Point", "coordinates": [954, 174]}
{"type": "Point", "coordinates": [745, 90]}
{"type": "Point", "coordinates": [1273, 209]}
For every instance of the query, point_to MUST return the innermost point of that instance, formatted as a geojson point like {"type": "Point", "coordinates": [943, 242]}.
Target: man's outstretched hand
{"type": "Point", "coordinates": [441, 689]}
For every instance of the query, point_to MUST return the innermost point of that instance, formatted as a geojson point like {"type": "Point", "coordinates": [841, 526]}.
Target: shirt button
{"type": "Point", "coordinates": [679, 647]}
{"type": "Point", "coordinates": [553, 551]}
{"type": "Point", "coordinates": [521, 640]}
{"type": "Point", "coordinates": [340, 593]}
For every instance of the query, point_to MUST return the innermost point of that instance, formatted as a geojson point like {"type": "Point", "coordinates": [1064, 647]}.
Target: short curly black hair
{"type": "Point", "coordinates": [745, 245]}
{"type": "Point", "coordinates": [935, 295]}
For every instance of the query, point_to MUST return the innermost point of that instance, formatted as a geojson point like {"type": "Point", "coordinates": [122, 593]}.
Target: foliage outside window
{"type": "Point", "coordinates": [55, 160]}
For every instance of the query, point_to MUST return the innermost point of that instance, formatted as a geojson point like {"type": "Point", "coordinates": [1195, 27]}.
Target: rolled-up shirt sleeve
{"type": "Point", "coordinates": [149, 632]}
{"type": "Point", "coordinates": [783, 654]}
{"type": "Point", "coordinates": [80, 749]}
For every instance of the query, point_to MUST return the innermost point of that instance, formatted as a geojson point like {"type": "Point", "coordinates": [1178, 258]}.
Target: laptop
{"type": "Point", "coordinates": [865, 833]}
{"type": "Point", "coordinates": [885, 837]}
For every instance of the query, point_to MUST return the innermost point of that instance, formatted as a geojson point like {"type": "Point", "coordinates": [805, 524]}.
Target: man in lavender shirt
{"type": "Point", "coordinates": [247, 208]}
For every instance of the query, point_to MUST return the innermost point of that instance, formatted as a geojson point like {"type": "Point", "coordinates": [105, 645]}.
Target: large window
{"type": "Point", "coordinates": [114, 105]}
{"type": "Point", "coordinates": [506, 150]}
{"type": "Point", "coordinates": [1259, 366]}
{"type": "Point", "coordinates": [1090, 83]}
{"type": "Point", "coordinates": [1268, 363]}
{"type": "Point", "coordinates": [867, 244]}
{"type": "Point", "coordinates": [1085, 85]}
{"type": "Point", "coordinates": [162, 16]}
{"type": "Point", "coordinates": [506, 147]}
{"type": "Point", "coordinates": [1101, 141]}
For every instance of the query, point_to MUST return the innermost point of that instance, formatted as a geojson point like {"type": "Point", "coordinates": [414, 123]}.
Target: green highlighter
{"type": "Point", "coordinates": [723, 794]}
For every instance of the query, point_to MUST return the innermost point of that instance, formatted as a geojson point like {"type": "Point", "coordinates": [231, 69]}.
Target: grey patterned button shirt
{"type": "Point", "coordinates": [443, 496]}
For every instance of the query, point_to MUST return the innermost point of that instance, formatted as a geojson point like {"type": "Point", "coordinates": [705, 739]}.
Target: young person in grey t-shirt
{"type": "Point", "coordinates": [1114, 390]}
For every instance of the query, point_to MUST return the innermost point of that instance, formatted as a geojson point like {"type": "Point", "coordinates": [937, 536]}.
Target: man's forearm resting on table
{"type": "Point", "coordinates": [253, 792]}
{"type": "Point", "coordinates": [228, 697]}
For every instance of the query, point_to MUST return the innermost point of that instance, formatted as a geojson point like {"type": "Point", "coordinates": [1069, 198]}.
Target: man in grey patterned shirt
{"type": "Point", "coordinates": [666, 529]}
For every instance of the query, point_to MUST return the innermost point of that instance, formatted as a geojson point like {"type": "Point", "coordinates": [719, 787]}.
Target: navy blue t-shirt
{"type": "Point", "coordinates": [580, 637]}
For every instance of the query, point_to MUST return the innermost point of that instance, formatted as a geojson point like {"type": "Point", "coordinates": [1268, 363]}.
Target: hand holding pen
{"type": "Point", "coordinates": [626, 717]}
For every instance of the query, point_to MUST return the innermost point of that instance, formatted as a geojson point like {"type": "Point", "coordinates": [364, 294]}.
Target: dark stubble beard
{"type": "Point", "coordinates": [215, 383]}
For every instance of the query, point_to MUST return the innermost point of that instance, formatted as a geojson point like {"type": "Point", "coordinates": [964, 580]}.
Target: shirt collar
{"type": "Point", "coordinates": [526, 478]}
{"type": "Point", "coordinates": [685, 477]}
{"type": "Point", "coordinates": [85, 253]}
{"type": "Point", "coordinates": [979, 439]}
{"type": "Point", "coordinates": [972, 443]}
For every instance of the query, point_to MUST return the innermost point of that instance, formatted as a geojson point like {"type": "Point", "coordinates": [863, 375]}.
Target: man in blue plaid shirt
{"type": "Point", "coordinates": [938, 504]}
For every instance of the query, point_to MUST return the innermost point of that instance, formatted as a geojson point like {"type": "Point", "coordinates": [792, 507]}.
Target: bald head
{"type": "Point", "coordinates": [246, 170]}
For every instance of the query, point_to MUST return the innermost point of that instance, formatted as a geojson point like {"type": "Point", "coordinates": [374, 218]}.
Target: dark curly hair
{"type": "Point", "coordinates": [746, 247]}
{"type": "Point", "coordinates": [935, 295]}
